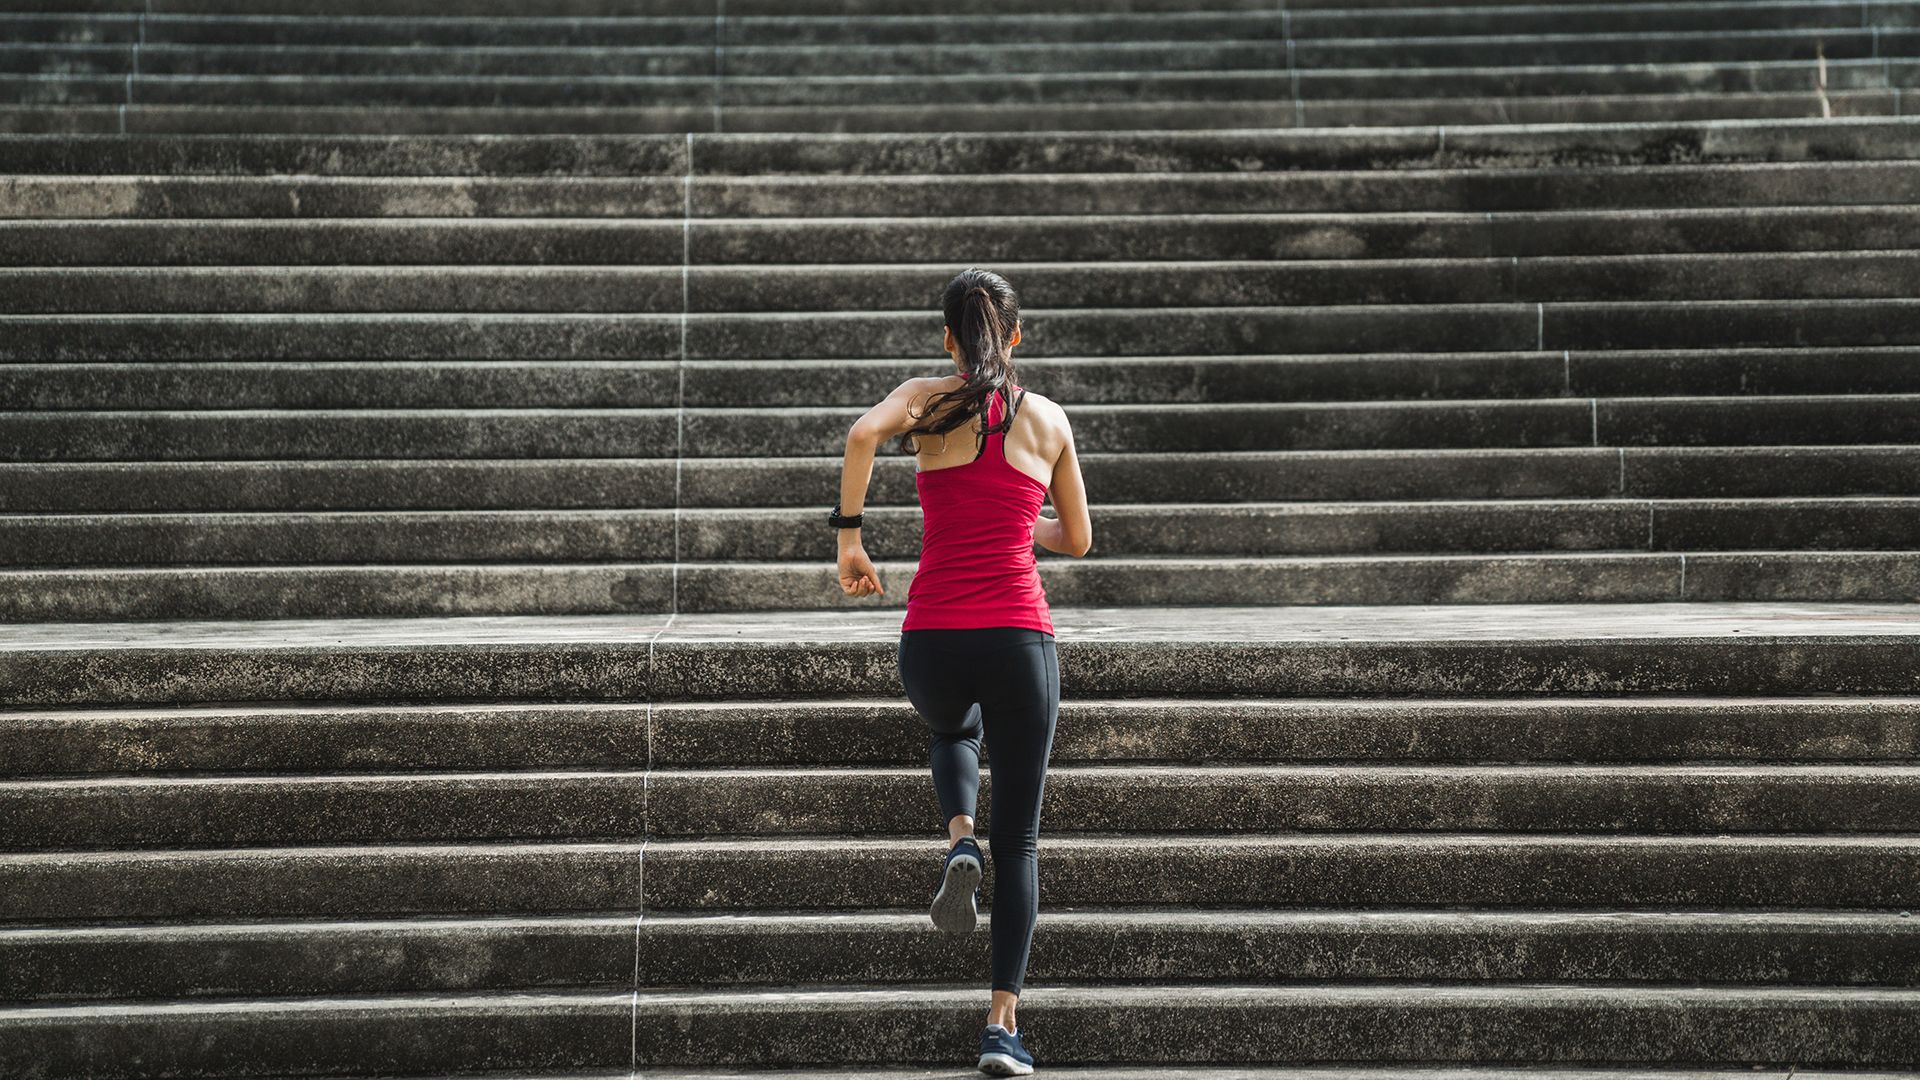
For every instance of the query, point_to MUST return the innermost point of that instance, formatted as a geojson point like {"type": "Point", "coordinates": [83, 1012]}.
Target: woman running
{"type": "Point", "coordinates": [976, 651]}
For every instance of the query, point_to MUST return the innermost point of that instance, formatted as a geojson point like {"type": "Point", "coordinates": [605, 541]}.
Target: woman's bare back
{"type": "Point", "coordinates": [1033, 443]}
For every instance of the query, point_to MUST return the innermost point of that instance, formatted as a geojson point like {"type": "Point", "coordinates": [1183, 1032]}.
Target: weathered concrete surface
{"type": "Point", "coordinates": [50, 814]}
{"type": "Point", "coordinates": [1462, 650]}
{"type": "Point", "coordinates": [1164, 948]}
{"type": "Point", "coordinates": [356, 738]}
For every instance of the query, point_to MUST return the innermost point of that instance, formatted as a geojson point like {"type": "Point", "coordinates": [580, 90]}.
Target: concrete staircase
{"type": "Point", "coordinates": [304, 376]}
{"type": "Point", "coordinates": [1676, 835]}
{"type": "Point", "coordinates": [421, 658]}
{"type": "Point", "coordinates": [394, 66]}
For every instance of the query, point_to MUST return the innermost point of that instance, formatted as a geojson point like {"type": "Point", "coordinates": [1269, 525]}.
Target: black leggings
{"type": "Point", "coordinates": [1013, 675]}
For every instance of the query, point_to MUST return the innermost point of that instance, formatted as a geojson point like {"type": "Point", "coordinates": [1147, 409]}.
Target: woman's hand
{"type": "Point", "coordinates": [857, 575]}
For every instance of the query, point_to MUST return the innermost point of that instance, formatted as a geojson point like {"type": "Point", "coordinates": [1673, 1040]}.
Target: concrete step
{"type": "Point", "coordinates": [846, 873]}
{"type": "Point", "coordinates": [1409, 651]}
{"type": "Point", "coordinates": [572, 804]}
{"type": "Point", "coordinates": [555, 1030]}
{"type": "Point", "coordinates": [356, 738]}
{"type": "Point", "coordinates": [1180, 116]}
{"type": "Point", "coordinates": [1079, 239]}
{"type": "Point", "coordinates": [1164, 948]}
{"type": "Point", "coordinates": [548, 433]}
{"type": "Point", "coordinates": [759, 45]}
{"type": "Point", "coordinates": [225, 72]}
{"type": "Point", "coordinates": [1069, 380]}
{"type": "Point", "coordinates": [623, 483]}
{"type": "Point", "coordinates": [804, 156]}
{"type": "Point", "coordinates": [859, 290]}
{"type": "Point", "coordinates": [1072, 381]}
{"type": "Point", "coordinates": [325, 591]}
{"type": "Point", "coordinates": [581, 79]}
{"type": "Point", "coordinates": [932, 199]}
{"type": "Point", "coordinates": [1127, 530]}
{"type": "Point", "coordinates": [860, 28]}
{"type": "Point", "coordinates": [1351, 328]}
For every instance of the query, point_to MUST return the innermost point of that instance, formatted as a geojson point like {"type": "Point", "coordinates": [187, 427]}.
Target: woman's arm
{"type": "Point", "coordinates": [884, 421]}
{"type": "Point", "coordinates": [1070, 530]}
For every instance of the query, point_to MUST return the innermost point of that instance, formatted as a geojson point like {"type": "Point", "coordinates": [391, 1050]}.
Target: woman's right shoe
{"type": "Point", "coordinates": [955, 908]}
{"type": "Point", "coordinates": [1001, 1053]}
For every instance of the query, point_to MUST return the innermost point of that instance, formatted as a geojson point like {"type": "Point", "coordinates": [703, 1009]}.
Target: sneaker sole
{"type": "Point", "coordinates": [953, 909]}
{"type": "Point", "coordinates": [1003, 1065]}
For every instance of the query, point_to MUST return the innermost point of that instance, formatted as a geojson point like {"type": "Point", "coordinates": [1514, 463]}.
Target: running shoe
{"type": "Point", "coordinates": [1001, 1053]}
{"type": "Point", "coordinates": [955, 908]}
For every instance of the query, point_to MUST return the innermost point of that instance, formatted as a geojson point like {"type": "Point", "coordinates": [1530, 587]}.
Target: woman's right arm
{"type": "Point", "coordinates": [1070, 530]}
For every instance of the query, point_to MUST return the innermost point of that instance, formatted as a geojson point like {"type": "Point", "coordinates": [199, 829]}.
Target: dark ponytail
{"type": "Point", "coordinates": [982, 313]}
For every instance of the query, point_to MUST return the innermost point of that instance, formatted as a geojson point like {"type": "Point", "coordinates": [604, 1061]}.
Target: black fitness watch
{"type": "Point", "coordinates": [837, 520]}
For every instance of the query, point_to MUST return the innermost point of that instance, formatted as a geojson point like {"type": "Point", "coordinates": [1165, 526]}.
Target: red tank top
{"type": "Point", "coordinates": [976, 544]}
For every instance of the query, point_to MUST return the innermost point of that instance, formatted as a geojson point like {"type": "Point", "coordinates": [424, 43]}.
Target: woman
{"type": "Point", "coordinates": [977, 630]}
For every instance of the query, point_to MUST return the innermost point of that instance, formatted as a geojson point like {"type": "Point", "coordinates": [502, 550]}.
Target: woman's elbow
{"type": "Point", "coordinates": [864, 433]}
{"type": "Point", "coordinates": [1080, 545]}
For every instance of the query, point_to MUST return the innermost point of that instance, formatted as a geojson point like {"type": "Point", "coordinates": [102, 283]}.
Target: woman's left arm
{"type": "Point", "coordinates": [884, 421]}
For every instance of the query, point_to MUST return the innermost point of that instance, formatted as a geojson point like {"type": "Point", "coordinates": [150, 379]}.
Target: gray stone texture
{"type": "Point", "coordinates": [419, 651]}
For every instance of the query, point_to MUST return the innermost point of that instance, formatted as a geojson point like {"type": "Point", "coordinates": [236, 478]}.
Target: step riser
{"type": "Point", "coordinates": [240, 74]}
{"type": "Point", "coordinates": [1334, 871]}
{"type": "Point", "coordinates": [388, 120]}
{"type": "Point", "coordinates": [485, 589]}
{"type": "Point", "coordinates": [857, 291]}
{"type": "Point", "coordinates": [895, 535]}
{"type": "Point", "coordinates": [688, 670]}
{"type": "Point", "coordinates": [1036, 239]}
{"type": "Point", "coordinates": [859, 29]}
{"type": "Point", "coordinates": [366, 738]}
{"type": "Point", "coordinates": [453, 197]}
{"type": "Point", "coordinates": [656, 433]}
{"type": "Point", "coordinates": [599, 1030]}
{"type": "Point", "coordinates": [1513, 327]}
{"type": "Point", "coordinates": [557, 1032]}
{"type": "Point", "coordinates": [40, 816]}
{"type": "Point", "coordinates": [904, 155]}
{"type": "Point", "coordinates": [1148, 382]}
{"type": "Point", "coordinates": [389, 957]}
{"type": "Point", "coordinates": [674, 81]}
{"type": "Point", "coordinates": [1348, 475]}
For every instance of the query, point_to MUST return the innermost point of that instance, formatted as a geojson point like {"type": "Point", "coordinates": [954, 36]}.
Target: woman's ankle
{"type": "Point", "coordinates": [959, 827]}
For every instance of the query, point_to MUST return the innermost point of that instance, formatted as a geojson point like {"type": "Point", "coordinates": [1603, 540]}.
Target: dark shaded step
{"type": "Point", "coordinates": [1436, 328]}
{"type": "Point", "coordinates": [377, 119]}
{"type": "Point", "coordinates": [599, 433]}
{"type": "Point", "coordinates": [1158, 948]}
{"type": "Point", "coordinates": [574, 589]}
{"type": "Point", "coordinates": [196, 812]}
{"type": "Point", "coordinates": [373, 738]}
{"type": "Point", "coordinates": [1072, 381]}
{"type": "Point", "coordinates": [727, 483]}
{"type": "Point", "coordinates": [1080, 239]}
{"type": "Point", "coordinates": [1055, 286]}
{"type": "Point", "coordinates": [1482, 189]}
{"type": "Point", "coordinates": [1126, 531]}
{"type": "Point", "coordinates": [911, 154]}
{"type": "Point", "coordinates": [743, 875]}
{"type": "Point", "coordinates": [1334, 1023]}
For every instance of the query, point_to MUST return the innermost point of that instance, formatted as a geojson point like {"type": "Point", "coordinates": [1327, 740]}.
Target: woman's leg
{"type": "Point", "coordinates": [1019, 688]}
{"type": "Point", "coordinates": [937, 683]}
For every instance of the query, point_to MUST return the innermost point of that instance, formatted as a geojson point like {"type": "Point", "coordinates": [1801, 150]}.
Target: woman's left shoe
{"type": "Point", "coordinates": [1001, 1053]}
{"type": "Point", "coordinates": [955, 907]}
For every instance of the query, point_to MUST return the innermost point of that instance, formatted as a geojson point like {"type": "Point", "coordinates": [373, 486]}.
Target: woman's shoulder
{"type": "Point", "coordinates": [1046, 410]}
